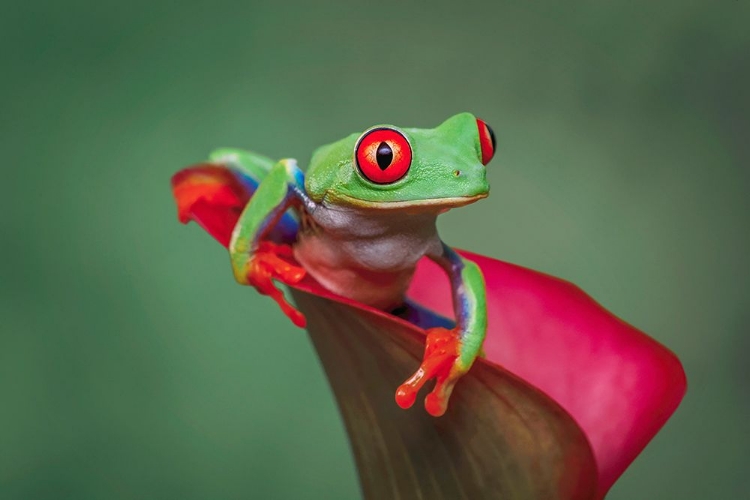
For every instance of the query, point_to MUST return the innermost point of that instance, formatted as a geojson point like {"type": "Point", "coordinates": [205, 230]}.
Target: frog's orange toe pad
{"type": "Point", "coordinates": [272, 261]}
{"type": "Point", "coordinates": [441, 353]}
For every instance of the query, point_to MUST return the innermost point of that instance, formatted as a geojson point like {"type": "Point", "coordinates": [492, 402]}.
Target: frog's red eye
{"type": "Point", "coordinates": [486, 141]}
{"type": "Point", "coordinates": [383, 155]}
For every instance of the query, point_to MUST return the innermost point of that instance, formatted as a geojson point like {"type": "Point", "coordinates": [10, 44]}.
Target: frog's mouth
{"type": "Point", "coordinates": [426, 205]}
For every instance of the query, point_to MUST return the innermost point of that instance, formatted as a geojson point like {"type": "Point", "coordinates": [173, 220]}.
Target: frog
{"type": "Point", "coordinates": [365, 213]}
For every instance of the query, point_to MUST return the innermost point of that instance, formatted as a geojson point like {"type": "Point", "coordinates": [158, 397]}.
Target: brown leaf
{"type": "Point", "coordinates": [500, 438]}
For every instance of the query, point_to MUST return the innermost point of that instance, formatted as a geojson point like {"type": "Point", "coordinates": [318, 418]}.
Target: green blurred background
{"type": "Point", "coordinates": [132, 366]}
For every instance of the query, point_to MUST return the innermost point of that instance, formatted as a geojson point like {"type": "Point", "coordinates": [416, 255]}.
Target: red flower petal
{"type": "Point", "coordinates": [620, 385]}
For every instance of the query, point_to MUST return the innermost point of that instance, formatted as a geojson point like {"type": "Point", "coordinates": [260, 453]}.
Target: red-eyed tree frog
{"type": "Point", "coordinates": [364, 214]}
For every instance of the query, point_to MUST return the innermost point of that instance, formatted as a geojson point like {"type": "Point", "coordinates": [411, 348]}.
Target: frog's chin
{"type": "Point", "coordinates": [434, 205]}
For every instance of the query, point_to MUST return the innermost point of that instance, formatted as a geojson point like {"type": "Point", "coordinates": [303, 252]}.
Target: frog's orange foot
{"type": "Point", "coordinates": [441, 357]}
{"type": "Point", "coordinates": [273, 261]}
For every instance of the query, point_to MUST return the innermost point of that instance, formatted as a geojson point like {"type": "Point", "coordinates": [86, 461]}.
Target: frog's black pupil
{"type": "Point", "coordinates": [384, 155]}
{"type": "Point", "coordinates": [492, 137]}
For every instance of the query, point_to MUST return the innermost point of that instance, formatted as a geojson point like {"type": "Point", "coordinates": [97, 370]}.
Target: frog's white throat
{"type": "Point", "coordinates": [367, 255]}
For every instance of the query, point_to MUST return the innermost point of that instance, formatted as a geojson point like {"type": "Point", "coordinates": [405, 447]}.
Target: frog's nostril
{"type": "Point", "coordinates": [456, 173]}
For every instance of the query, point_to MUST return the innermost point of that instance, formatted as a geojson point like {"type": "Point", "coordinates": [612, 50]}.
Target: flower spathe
{"type": "Point", "coordinates": [619, 385]}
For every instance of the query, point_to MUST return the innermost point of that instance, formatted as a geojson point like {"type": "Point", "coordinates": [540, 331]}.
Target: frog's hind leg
{"type": "Point", "coordinates": [250, 169]}
{"type": "Point", "coordinates": [257, 261]}
{"type": "Point", "coordinates": [215, 192]}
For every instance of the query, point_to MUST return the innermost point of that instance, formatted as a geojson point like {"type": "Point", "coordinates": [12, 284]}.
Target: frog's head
{"type": "Point", "coordinates": [387, 167]}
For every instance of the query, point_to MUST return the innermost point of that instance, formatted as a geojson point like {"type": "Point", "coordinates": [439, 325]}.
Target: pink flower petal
{"type": "Point", "coordinates": [620, 385]}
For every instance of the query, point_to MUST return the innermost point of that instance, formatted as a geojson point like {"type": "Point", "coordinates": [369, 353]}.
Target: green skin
{"type": "Point", "coordinates": [446, 172]}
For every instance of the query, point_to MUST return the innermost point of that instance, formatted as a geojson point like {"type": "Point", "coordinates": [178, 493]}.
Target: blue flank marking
{"type": "Point", "coordinates": [245, 179]}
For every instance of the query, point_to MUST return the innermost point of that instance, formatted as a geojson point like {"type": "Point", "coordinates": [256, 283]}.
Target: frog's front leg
{"type": "Point", "coordinates": [257, 262]}
{"type": "Point", "coordinates": [449, 353]}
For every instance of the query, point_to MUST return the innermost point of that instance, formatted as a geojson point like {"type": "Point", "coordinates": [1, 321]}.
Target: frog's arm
{"type": "Point", "coordinates": [469, 302]}
{"type": "Point", "coordinates": [449, 354]}
{"type": "Point", "coordinates": [255, 261]}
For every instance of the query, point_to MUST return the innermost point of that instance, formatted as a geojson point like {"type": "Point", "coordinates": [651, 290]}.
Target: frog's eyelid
{"type": "Point", "coordinates": [487, 141]}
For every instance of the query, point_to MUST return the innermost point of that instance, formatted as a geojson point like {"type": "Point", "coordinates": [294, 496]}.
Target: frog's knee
{"type": "Point", "coordinates": [292, 171]}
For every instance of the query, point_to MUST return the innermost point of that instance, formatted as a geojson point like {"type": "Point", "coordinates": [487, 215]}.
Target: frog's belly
{"type": "Point", "coordinates": [376, 271]}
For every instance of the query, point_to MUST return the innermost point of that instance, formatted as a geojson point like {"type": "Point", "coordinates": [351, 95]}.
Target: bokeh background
{"type": "Point", "coordinates": [131, 364]}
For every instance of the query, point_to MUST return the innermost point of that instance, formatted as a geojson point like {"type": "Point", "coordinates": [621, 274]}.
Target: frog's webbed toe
{"type": "Point", "coordinates": [442, 362]}
{"type": "Point", "coordinates": [273, 261]}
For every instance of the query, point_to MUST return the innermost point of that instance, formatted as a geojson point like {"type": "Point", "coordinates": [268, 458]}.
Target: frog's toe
{"type": "Point", "coordinates": [270, 262]}
{"type": "Point", "coordinates": [441, 355]}
{"type": "Point", "coordinates": [436, 402]}
{"type": "Point", "coordinates": [431, 367]}
{"type": "Point", "coordinates": [276, 261]}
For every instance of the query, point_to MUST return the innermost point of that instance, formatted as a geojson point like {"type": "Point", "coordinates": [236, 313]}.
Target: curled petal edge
{"type": "Point", "coordinates": [619, 385]}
